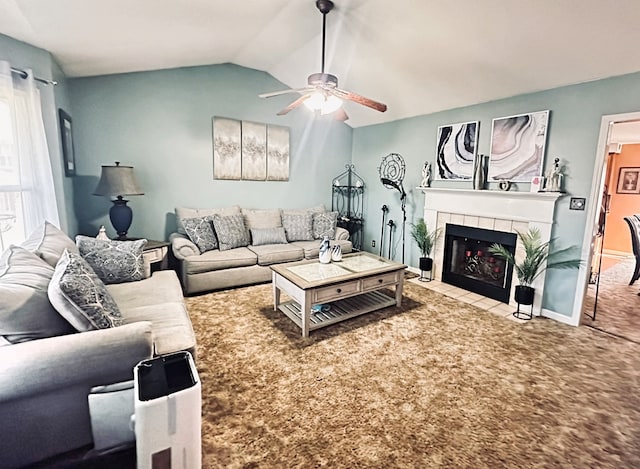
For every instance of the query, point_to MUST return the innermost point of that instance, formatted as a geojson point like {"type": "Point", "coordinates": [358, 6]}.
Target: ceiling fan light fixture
{"type": "Point", "coordinates": [326, 104]}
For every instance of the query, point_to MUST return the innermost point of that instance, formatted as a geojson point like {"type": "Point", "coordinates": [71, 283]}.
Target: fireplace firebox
{"type": "Point", "coordinates": [468, 264]}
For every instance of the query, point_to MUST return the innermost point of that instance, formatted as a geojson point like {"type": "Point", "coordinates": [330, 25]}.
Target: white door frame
{"type": "Point", "coordinates": [594, 208]}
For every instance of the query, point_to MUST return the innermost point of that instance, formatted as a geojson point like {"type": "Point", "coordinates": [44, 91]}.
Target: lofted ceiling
{"type": "Point", "coordinates": [417, 56]}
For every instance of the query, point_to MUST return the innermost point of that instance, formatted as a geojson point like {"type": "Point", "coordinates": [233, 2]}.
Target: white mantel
{"type": "Point", "coordinates": [493, 210]}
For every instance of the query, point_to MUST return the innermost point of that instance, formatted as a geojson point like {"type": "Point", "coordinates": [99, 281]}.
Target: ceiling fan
{"type": "Point", "coordinates": [322, 93]}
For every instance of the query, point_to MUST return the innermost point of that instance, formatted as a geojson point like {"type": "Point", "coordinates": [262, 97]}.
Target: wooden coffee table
{"type": "Point", "coordinates": [345, 289]}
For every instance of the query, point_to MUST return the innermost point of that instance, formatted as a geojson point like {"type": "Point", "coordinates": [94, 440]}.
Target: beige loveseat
{"type": "Point", "coordinates": [249, 264]}
{"type": "Point", "coordinates": [48, 367]}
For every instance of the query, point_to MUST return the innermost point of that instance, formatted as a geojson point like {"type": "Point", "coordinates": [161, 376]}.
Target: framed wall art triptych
{"type": "Point", "coordinates": [250, 151]}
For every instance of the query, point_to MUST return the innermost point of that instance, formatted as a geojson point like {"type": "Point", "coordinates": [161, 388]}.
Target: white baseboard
{"type": "Point", "coordinates": [547, 313]}
{"type": "Point", "coordinates": [415, 270]}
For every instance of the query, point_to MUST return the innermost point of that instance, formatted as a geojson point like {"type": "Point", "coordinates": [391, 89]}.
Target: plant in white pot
{"type": "Point", "coordinates": [426, 240]}
{"type": "Point", "coordinates": [536, 260]}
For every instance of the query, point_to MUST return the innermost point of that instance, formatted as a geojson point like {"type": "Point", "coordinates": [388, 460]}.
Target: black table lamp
{"type": "Point", "coordinates": [118, 181]}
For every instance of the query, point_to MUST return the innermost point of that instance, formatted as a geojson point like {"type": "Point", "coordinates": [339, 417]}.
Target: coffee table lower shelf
{"type": "Point", "coordinates": [340, 310]}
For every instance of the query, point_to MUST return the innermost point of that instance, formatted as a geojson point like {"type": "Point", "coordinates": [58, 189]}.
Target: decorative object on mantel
{"type": "Point", "coordinates": [537, 259]}
{"type": "Point", "coordinates": [504, 185]}
{"type": "Point", "coordinates": [426, 175]}
{"type": "Point", "coordinates": [102, 234]}
{"type": "Point", "coordinates": [250, 151]}
{"type": "Point", "coordinates": [517, 146]}
{"type": "Point", "coordinates": [536, 183]}
{"type": "Point", "coordinates": [553, 181]}
{"type": "Point", "coordinates": [347, 198]}
{"type": "Point", "coordinates": [392, 170]}
{"type": "Point", "coordinates": [480, 173]}
{"type": "Point", "coordinates": [118, 181]}
{"type": "Point", "coordinates": [426, 240]}
{"type": "Point", "coordinates": [456, 150]}
{"type": "Point", "coordinates": [325, 251]}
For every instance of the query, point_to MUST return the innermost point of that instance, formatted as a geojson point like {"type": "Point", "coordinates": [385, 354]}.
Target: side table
{"type": "Point", "coordinates": [156, 255]}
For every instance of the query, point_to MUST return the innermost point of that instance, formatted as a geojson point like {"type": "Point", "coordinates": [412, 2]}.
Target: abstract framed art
{"type": "Point", "coordinates": [250, 151]}
{"type": "Point", "coordinates": [456, 150]}
{"type": "Point", "coordinates": [517, 146]}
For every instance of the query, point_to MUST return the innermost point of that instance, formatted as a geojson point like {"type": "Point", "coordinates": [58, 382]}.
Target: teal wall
{"type": "Point", "coordinates": [24, 56]}
{"type": "Point", "coordinates": [160, 122]}
{"type": "Point", "coordinates": [574, 126]}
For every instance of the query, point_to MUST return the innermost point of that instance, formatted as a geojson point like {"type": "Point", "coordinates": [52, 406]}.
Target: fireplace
{"type": "Point", "coordinates": [468, 264]}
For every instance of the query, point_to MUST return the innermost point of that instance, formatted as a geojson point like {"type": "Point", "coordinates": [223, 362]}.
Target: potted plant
{"type": "Point", "coordinates": [425, 239]}
{"type": "Point", "coordinates": [536, 260]}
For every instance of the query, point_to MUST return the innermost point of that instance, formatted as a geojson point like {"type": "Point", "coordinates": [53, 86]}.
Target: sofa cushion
{"type": "Point", "coordinates": [277, 253]}
{"type": "Point", "coordinates": [312, 248]}
{"type": "Point", "coordinates": [218, 260]}
{"type": "Point", "coordinates": [200, 231]}
{"type": "Point", "coordinates": [261, 236]}
{"type": "Point", "coordinates": [113, 261]}
{"type": "Point", "coordinates": [259, 219]}
{"type": "Point", "coordinates": [231, 231]}
{"type": "Point", "coordinates": [157, 299]}
{"type": "Point", "coordinates": [324, 224]}
{"type": "Point", "coordinates": [25, 311]}
{"type": "Point", "coordinates": [80, 297]}
{"type": "Point", "coordinates": [48, 242]}
{"type": "Point", "coordinates": [183, 212]}
{"type": "Point", "coordinates": [298, 226]}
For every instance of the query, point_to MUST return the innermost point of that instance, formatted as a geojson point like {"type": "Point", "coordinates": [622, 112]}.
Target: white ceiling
{"type": "Point", "coordinates": [417, 56]}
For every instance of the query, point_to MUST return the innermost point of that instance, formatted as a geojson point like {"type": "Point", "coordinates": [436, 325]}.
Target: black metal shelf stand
{"type": "Point", "coordinates": [347, 198]}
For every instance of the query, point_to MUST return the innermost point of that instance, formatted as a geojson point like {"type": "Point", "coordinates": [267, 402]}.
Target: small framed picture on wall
{"type": "Point", "coordinates": [66, 134]}
{"type": "Point", "coordinates": [628, 181]}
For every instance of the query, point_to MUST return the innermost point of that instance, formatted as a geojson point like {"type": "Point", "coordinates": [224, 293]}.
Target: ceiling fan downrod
{"type": "Point", "coordinates": [325, 6]}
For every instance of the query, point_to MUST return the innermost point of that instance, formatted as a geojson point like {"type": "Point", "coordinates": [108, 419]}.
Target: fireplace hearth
{"type": "Point", "coordinates": [468, 264]}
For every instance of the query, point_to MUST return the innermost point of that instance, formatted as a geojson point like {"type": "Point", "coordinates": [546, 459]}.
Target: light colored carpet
{"type": "Point", "coordinates": [436, 383]}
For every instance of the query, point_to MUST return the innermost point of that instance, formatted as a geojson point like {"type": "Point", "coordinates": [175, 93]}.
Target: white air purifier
{"type": "Point", "coordinates": [168, 413]}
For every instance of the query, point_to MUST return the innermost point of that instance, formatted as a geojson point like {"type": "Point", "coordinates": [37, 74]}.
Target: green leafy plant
{"type": "Point", "coordinates": [424, 238]}
{"type": "Point", "coordinates": [536, 254]}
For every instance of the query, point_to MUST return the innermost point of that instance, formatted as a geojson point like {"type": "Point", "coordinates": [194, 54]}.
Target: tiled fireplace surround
{"type": "Point", "coordinates": [491, 210]}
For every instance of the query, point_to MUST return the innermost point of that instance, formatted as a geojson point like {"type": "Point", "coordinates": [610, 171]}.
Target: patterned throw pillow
{"type": "Point", "coordinates": [113, 261]}
{"type": "Point", "coordinates": [298, 226]}
{"type": "Point", "coordinates": [200, 231]}
{"type": "Point", "coordinates": [76, 292]}
{"type": "Point", "coordinates": [231, 231]}
{"type": "Point", "coordinates": [324, 224]}
{"type": "Point", "coordinates": [268, 236]}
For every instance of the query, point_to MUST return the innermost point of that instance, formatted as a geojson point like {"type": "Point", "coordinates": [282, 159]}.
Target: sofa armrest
{"type": "Point", "coordinates": [182, 246]}
{"type": "Point", "coordinates": [85, 358]}
{"type": "Point", "coordinates": [341, 234]}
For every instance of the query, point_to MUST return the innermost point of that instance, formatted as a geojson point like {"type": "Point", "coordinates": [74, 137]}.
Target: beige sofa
{"type": "Point", "coordinates": [47, 367]}
{"type": "Point", "coordinates": [245, 265]}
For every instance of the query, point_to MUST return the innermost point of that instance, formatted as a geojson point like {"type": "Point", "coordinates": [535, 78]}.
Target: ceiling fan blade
{"type": "Point", "coordinates": [356, 98]}
{"type": "Point", "coordinates": [278, 93]}
{"type": "Point", "coordinates": [294, 105]}
{"type": "Point", "coordinates": [340, 115]}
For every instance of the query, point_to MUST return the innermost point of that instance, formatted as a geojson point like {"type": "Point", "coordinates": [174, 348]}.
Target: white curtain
{"type": "Point", "coordinates": [27, 194]}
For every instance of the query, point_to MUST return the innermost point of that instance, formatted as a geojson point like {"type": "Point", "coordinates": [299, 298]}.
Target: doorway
{"type": "Point", "coordinates": [607, 301]}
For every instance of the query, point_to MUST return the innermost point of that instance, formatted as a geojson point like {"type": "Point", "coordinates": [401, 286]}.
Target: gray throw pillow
{"type": "Point", "coordinates": [49, 242]}
{"type": "Point", "coordinates": [200, 232]}
{"type": "Point", "coordinates": [268, 236]}
{"type": "Point", "coordinates": [25, 311]}
{"type": "Point", "coordinates": [80, 296]}
{"type": "Point", "coordinates": [231, 231]}
{"type": "Point", "coordinates": [298, 226]}
{"type": "Point", "coordinates": [324, 224]}
{"type": "Point", "coordinates": [113, 261]}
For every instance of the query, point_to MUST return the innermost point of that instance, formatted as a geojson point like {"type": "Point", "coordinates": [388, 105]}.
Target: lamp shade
{"type": "Point", "coordinates": [118, 180]}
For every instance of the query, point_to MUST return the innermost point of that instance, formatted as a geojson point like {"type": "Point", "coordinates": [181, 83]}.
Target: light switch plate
{"type": "Point", "coordinates": [577, 203]}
